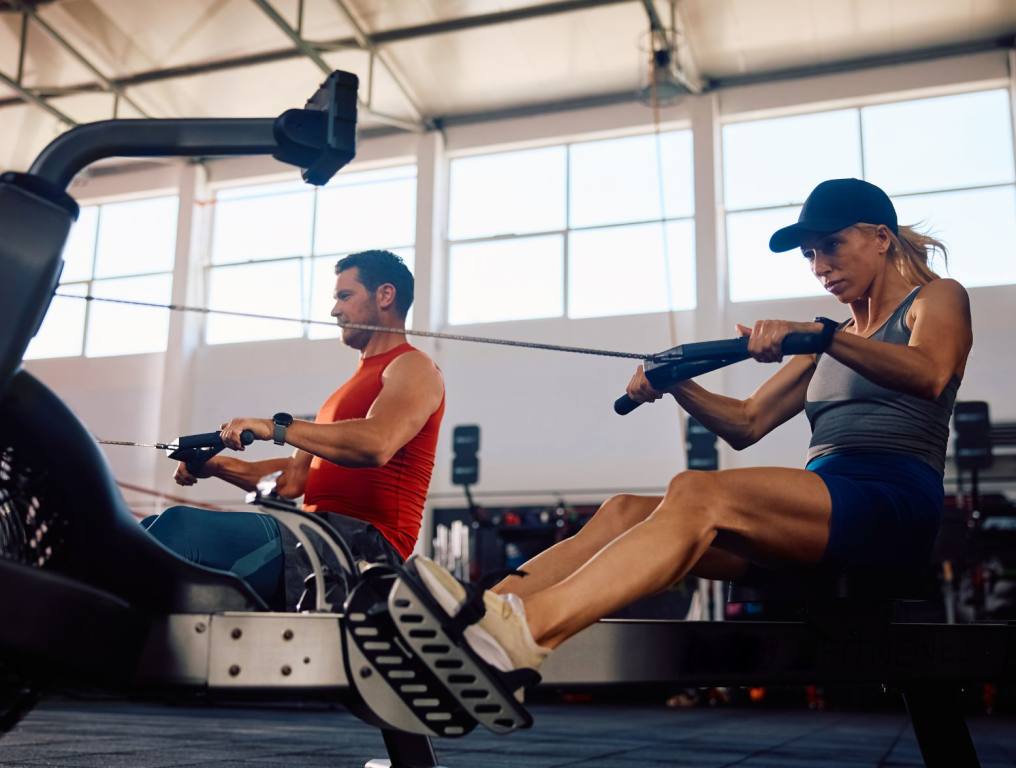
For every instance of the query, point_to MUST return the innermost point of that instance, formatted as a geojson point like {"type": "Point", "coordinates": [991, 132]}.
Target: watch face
{"type": "Point", "coordinates": [285, 419]}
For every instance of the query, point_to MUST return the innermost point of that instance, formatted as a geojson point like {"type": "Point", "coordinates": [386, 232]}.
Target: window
{"type": "Point", "coordinates": [512, 279]}
{"type": "Point", "coordinates": [274, 248]}
{"type": "Point", "coordinates": [577, 230]}
{"type": "Point", "coordinates": [947, 163]}
{"type": "Point", "coordinates": [116, 250]}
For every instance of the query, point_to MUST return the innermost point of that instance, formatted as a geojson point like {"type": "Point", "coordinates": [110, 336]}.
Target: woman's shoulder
{"type": "Point", "coordinates": [943, 295]}
{"type": "Point", "coordinates": [943, 288]}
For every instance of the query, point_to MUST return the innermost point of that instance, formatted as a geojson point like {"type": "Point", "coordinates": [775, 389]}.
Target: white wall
{"type": "Point", "coordinates": [546, 418]}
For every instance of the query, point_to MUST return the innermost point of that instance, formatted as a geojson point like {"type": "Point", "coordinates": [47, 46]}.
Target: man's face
{"type": "Point", "coordinates": [354, 304]}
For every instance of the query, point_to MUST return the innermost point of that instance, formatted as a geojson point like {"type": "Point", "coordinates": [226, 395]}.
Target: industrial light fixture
{"type": "Point", "coordinates": [664, 85]}
{"type": "Point", "coordinates": [667, 80]}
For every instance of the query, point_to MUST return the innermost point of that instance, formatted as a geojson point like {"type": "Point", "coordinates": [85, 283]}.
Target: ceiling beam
{"type": "Point", "coordinates": [655, 22]}
{"type": "Point", "coordinates": [687, 67]}
{"type": "Point", "coordinates": [489, 19]}
{"type": "Point", "coordinates": [382, 37]}
{"type": "Point", "coordinates": [307, 50]}
{"type": "Point", "coordinates": [367, 44]}
{"type": "Point", "coordinates": [1006, 42]}
{"type": "Point", "coordinates": [27, 97]}
{"type": "Point", "coordinates": [108, 84]}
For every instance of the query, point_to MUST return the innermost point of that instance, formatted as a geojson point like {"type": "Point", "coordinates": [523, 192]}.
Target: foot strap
{"type": "Point", "coordinates": [474, 607]}
{"type": "Point", "coordinates": [484, 692]}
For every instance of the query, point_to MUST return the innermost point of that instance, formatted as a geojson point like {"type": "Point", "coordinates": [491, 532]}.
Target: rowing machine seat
{"type": "Point", "coordinates": [794, 593]}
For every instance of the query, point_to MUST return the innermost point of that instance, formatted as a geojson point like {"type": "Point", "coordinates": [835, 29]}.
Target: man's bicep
{"type": "Point", "coordinates": [410, 394]}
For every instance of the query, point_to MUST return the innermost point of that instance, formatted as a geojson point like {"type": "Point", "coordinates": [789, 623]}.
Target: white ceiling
{"type": "Point", "coordinates": [595, 49]}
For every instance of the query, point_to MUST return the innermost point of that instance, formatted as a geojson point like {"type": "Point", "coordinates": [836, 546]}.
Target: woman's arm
{"type": "Point", "coordinates": [739, 422]}
{"type": "Point", "coordinates": [940, 341]}
{"type": "Point", "coordinates": [744, 422]}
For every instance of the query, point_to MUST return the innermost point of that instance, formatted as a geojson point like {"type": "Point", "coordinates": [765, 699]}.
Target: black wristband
{"type": "Point", "coordinates": [829, 327]}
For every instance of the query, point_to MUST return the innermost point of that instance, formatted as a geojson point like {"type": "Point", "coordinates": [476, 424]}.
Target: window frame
{"type": "Point", "coordinates": [857, 105]}
{"type": "Point", "coordinates": [567, 142]}
{"type": "Point", "coordinates": [304, 261]}
{"type": "Point", "coordinates": [99, 204]}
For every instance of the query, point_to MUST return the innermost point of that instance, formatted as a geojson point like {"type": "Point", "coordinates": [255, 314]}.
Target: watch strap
{"type": "Point", "coordinates": [829, 327]}
{"type": "Point", "coordinates": [280, 423]}
{"type": "Point", "coordinates": [279, 433]}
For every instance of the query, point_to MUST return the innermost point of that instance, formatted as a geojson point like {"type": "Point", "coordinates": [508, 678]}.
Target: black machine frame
{"type": "Point", "coordinates": [93, 600]}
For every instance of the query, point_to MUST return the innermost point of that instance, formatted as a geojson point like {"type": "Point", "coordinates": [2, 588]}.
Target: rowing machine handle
{"type": "Point", "coordinates": [211, 440]}
{"type": "Point", "coordinates": [625, 405]}
{"type": "Point", "coordinates": [195, 450]}
{"type": "Point", "coordinates": [793, 344]}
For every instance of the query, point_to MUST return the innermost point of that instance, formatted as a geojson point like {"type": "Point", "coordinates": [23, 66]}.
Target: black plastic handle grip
{"type": "Point", "coordinates": [793, 344]}
{"type": "Point", "coordinates": [625, 405]}
{"type": "Point", "coordinates": [211, 440]}
{"type": "Point", "coordinates": [195, 450]}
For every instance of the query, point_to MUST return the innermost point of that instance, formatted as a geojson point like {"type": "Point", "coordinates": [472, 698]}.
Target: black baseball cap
{"type": "Point", "coordinates": [834, 205]}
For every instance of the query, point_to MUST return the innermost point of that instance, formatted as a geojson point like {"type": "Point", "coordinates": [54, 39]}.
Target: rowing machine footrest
{"type": "Point", "coordinates": [399, 689]}
{"type": "Point", "coordinates": [488, 695]}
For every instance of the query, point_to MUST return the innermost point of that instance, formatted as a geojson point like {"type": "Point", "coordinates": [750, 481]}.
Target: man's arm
{"type": "Point", "coordinates": [412, 389]}
{"type": "Point", "coordinates": [246, 474]}
{"type": "Point", "coordinates": [293, 480]}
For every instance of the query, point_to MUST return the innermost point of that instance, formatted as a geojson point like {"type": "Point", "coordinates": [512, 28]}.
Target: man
{"type": "Point", "coordinates": [369, 454]}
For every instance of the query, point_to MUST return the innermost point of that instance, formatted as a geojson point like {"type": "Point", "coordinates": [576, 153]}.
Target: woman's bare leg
{"type": "Point", "coordinates": [615, 516]}
{"type": "Point", "coordinates": [771, 515]}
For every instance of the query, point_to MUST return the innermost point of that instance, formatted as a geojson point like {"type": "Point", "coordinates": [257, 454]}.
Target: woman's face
{"type": "Point", "coordinates": [846, 262]}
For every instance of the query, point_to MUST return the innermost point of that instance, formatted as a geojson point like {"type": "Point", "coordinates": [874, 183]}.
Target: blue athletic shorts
{"type": "Point", "coordinates": [886, 509]}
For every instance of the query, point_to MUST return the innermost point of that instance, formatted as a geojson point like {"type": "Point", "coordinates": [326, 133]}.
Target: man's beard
{"type": "Point", "coordinates": [358, 338]}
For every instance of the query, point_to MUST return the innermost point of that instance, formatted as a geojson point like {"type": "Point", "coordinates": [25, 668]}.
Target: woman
{"type": "Point", "coordinates": [879, 401]}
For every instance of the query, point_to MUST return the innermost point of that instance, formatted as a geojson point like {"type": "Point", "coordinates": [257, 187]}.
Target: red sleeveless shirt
{"type": "Point", "coordinates": [390, 497]}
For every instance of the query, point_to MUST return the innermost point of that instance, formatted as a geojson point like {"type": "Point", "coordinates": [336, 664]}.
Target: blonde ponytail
{"type": "Point", "coordinates": [911, 252]}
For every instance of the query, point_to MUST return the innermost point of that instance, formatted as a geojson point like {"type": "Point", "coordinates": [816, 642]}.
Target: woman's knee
{"type": "Point", "coordinates": [623, 511]}
{"type": "Point", "coordinates": [689, 491]}
{"type": "Point", "coordinates": [691, 484]}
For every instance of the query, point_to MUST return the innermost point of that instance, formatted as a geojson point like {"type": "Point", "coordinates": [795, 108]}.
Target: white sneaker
{"type": "Point", "coordinates": [502, 637]}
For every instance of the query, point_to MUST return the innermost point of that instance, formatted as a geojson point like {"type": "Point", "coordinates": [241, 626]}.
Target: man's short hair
{"type": "Point", "coordinates": [379, 267]}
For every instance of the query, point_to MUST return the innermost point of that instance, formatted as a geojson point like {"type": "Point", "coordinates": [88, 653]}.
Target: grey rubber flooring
{"type": "Point", "coordinates": [74, 734]}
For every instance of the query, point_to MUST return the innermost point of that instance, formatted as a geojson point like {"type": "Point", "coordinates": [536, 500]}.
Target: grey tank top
{"type": "Point", "coordinates": [851, 414]}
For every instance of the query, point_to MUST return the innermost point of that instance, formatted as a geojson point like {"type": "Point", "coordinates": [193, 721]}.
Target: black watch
{"type": "Point", "coordinates": [829, 327]}
{"type": "Point", "coordinates": [281, 422]}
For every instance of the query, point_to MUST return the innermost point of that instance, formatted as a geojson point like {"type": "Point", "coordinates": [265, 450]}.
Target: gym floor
{"type": "Point", "coordinates": [110, 734]}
